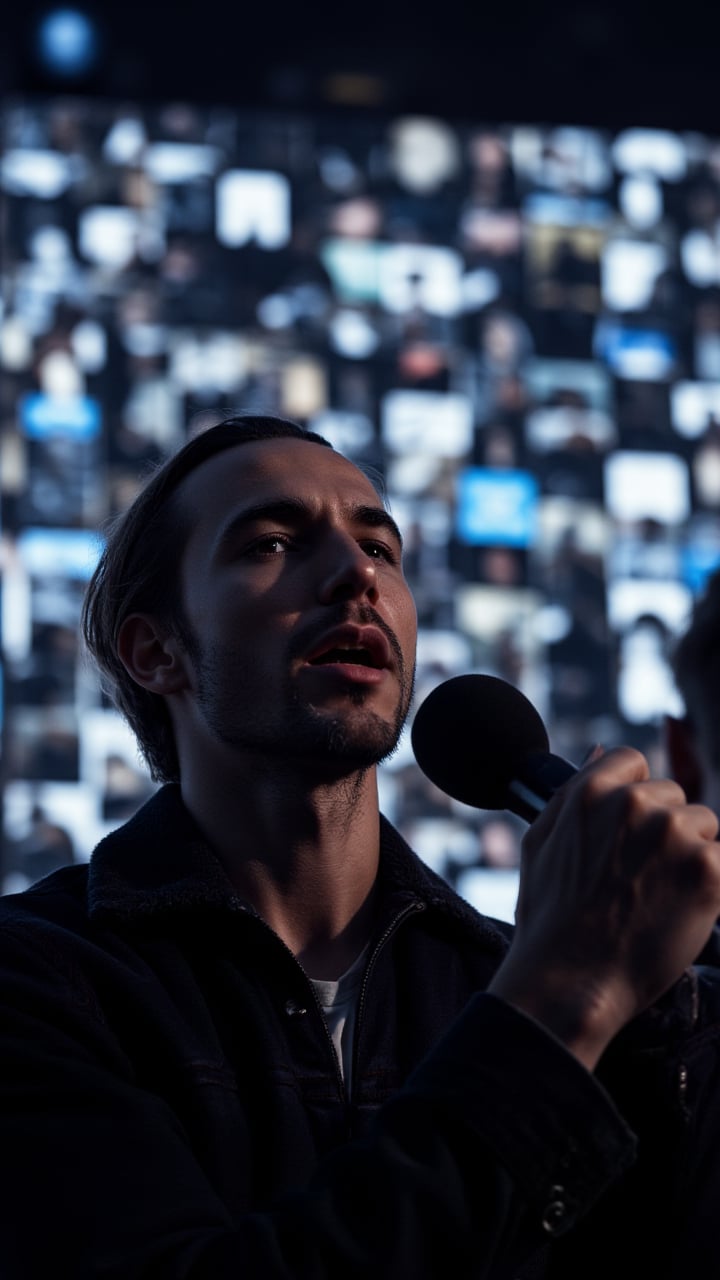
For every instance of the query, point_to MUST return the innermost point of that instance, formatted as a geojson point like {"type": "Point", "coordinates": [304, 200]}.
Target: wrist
{"type": "Point", "coordinates": [582, 1014]}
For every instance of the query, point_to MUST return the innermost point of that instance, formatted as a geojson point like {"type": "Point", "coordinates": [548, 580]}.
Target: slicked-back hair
{"type": "Point", "coordinates": [138, 572]}
{"type": "Point", "coordinates": [696, 667]}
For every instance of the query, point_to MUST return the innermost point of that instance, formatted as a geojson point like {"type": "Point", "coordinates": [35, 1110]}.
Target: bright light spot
{"type": "Point", "coordinates": [67, 42]}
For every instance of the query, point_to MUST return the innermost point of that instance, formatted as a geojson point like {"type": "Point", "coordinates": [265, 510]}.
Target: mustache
{"type": "Point", "coordinates": [360, 614]}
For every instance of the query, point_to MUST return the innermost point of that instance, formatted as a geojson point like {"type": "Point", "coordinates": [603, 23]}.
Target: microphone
{"type": "Point", "coordinates": [481, 741]}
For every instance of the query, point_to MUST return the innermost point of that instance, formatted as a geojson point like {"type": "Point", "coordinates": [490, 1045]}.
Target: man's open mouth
{"type": "Point", "coordinates": [352, 657]}
{"type": "Point", "coordinates": [353, 646]}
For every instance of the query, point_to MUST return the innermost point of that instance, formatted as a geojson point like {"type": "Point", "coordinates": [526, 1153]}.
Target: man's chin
{"type": "Point", "coordinates": [351, 742]}
{"type": "Point", "coordinates": [361, 751]}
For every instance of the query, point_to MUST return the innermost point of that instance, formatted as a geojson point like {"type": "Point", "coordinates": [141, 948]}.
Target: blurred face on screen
{"type": "Point", "coordinates": [424, 154]}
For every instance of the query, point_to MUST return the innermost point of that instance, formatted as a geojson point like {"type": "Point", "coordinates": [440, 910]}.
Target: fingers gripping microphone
{"type": "Point", "coordinates": [481, 741]}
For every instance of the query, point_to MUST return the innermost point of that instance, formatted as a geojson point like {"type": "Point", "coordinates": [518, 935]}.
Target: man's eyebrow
{"type": "Point", "coordinates": [376, 518]}
{"type": "Point", "coordinates": [294, 511]}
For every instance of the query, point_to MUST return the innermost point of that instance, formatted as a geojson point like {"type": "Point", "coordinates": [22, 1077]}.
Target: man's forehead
{"type": "Point", "coordinates": [262, 468]}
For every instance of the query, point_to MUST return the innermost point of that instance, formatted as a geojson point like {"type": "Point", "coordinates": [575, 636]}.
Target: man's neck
{"type": "Point", "coordinates": [306, 858]}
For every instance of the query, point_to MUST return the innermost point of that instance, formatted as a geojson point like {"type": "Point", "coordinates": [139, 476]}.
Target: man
{"type": "Point", "coordinates": [256, 1037]}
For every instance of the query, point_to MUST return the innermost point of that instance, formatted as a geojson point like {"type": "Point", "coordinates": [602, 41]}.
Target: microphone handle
{"type": "Point", "coordinates": [541, 775]}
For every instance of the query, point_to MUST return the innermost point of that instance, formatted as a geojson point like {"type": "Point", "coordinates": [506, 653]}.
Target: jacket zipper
{"type": "Point", "coordinates": [241, 906]}
{"type": "Point", "coordinates": [388, 932]}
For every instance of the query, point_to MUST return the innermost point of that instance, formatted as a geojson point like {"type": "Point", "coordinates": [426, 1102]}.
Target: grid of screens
{"type": "Point", "coordinates": [519, 325]}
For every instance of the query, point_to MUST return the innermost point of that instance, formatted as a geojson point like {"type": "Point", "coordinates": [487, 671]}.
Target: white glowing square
{"type": "Point", "coordinates": [253, 206]}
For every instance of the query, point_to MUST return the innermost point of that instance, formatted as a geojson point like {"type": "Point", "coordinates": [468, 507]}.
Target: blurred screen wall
{"type": "Point", "coordinates": [518, 325]}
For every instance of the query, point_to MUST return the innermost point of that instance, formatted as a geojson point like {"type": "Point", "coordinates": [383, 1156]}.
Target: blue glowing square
{"type": "Point", "coordinates": [497, 507]}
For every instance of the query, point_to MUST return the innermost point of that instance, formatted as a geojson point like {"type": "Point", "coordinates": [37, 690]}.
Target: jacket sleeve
{"type": "Point", "coordinates": [498, 1141]}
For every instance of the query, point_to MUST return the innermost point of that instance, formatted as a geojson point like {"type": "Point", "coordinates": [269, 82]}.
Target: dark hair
{"type": "Point", "coordinates": [138, 572]}
{"type": "Point", "coordinates": [696, 666]}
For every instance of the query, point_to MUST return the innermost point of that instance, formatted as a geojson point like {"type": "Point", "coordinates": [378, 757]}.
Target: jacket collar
{"type": "Point", "coordinates": [159, 863]}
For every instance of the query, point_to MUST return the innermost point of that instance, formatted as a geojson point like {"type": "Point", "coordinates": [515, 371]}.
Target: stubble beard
{"type": "Point", "coordinates": [344, 743]}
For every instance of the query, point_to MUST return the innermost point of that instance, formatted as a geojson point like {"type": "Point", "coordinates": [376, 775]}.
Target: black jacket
{"type": "Point", "coordinates": [171, 1105]}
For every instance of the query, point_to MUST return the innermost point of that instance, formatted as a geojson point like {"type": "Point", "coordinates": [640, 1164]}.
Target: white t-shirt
{"type": "Point", "coordinates": [338, 1001]}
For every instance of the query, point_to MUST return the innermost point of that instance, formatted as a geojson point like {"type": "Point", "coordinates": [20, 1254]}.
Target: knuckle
{"type": "Point", "coordinates": [594, 788]}
{"type": "Point", "coordinates": [619, 771]}
{"type": "Point", "coordinates": [660, 804]}
{"type": "Point", "coordinates": [633, 758]}
{"type": "Point", "coordinates": [637, 806]}
{"type": "Point", "coordinates": [672, 829]}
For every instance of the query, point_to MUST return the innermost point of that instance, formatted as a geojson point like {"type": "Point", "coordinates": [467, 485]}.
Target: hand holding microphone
{"type": "Point", "coordinates": [620, 877]}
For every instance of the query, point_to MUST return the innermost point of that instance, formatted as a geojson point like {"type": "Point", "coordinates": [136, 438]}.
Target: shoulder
{"type": "Point", "coordinates": [59, 898]}
{"type": "Point", "coordinates": [46, 949]}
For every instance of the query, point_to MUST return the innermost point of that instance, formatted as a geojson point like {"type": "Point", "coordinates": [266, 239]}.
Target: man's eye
{"type": "Point", "coordinates": [380, 551]}
{"type": "Point", "coordinates": [271, 544]}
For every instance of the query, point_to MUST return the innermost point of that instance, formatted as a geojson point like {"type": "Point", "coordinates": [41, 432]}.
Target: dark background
{"type": "Point", "coordinates": [585, 63]}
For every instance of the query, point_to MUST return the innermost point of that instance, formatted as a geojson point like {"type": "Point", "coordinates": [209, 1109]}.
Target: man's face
{"type": "Point", "coordinates": [302, 629]}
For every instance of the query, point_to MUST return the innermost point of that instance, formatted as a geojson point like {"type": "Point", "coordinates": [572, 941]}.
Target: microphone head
{"type": "Point", "coordinates": [471, 735]}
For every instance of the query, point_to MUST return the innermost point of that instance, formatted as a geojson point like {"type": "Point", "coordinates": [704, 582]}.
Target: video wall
{"type": "Point", "coordinates": [519, 325]}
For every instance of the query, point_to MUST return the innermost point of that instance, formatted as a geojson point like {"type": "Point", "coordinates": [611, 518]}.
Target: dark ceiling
{"type": "Point", "coordinates": [583, 63]}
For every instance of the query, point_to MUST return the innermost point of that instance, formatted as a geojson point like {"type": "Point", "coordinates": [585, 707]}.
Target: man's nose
{"type": "Point", "coordinates": [348, 573]}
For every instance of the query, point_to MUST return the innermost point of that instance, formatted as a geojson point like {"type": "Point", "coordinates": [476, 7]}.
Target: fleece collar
{"type": "Point", "coordinates": [159, 862]}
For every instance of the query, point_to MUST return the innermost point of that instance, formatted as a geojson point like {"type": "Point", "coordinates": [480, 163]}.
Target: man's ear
{"type": "Point", "coordinates": [154, 659]}
{"type": "Point", "coordinates": [683, 756]}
